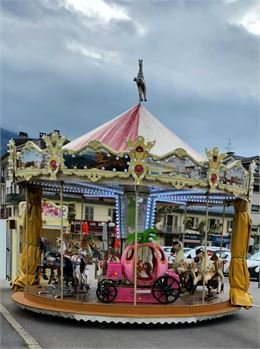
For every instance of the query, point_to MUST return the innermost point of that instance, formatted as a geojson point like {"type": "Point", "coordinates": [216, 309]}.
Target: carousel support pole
{"type": "Point", "coordinates": [26, 239]}
{"type": "Point", "coordinates": [135, 249]}
{"type": "Point", "coordinates": [61, 241]}
{"type": "Point", "coordinates": [222, 231]}
{"type": "Point", "coordinates": [205, 248]}
{"type": "Point", "coordinates": [185, 217]}
{"type": "Point", "coordinates": [81, 217]}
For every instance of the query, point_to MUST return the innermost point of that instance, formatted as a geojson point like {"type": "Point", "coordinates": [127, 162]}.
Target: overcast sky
{"type": "Point", "coordinates": [70, 64]}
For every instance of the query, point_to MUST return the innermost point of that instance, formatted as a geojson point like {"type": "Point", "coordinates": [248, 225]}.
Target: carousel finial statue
{"type": "Point", "coordinates": [141, 83]}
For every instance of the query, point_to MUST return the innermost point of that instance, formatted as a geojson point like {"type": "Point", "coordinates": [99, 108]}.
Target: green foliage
{"type": "Point", "coordinates": [201, 229]}
{"type": "Point", "coordinates": [71, 212]}
{"type": "Point", "coordinates": [148, 235]}
{"type": "Point", "coordinates": [201, 226]}
{"type": "Point", "coordinates": [162, 211]}
{"type": "Point", "coordinates": [188, 223]}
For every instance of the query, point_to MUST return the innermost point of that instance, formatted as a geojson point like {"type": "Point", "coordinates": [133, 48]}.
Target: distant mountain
{"type": "Point", "coordinates": [5, 137]}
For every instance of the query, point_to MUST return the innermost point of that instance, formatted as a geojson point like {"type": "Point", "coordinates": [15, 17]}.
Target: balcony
{"type": "Point", "coordinates": [166, 229]}
{"type": "Point", "coordinates": [14, 198]}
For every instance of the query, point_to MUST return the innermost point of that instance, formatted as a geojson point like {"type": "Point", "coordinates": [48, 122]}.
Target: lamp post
{"type": "Point", "coordinates": [105, 237]}
{"type": "Point", "coordinates": [109, 219]}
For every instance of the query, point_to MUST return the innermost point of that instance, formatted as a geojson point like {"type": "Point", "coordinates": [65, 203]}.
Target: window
{"type": "Point", "coordinates": [255, 208]}
{"type": "Point", "coordinates": [89, 213]}
{"type": "Point", "coordinates": [8, 211]}
{"type": "Point", "coordinates": [169, 220]}
{"type": "Point", "coordinates": [229, 225]}
{"type": "Point", "coordinates": [112, 213]}
{"type": "Point", "coordinates": [172, 223]}
{"type": "Point", "coordinates": [196, 222]}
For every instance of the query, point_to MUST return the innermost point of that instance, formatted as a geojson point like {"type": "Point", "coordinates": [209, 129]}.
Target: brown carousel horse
{"type": "Point", "coordinates": [110, 255]}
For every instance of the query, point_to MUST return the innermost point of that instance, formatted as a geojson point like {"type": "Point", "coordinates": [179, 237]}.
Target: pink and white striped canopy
{"type": "Point", "coordinates": [137, 121]}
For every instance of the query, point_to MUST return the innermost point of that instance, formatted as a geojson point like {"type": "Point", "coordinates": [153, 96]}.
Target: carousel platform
{"type": "Point", "coordinates": [186, 309]}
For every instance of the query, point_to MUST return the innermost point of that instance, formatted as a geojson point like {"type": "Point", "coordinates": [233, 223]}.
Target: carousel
{"type": "Point", "coordinates": [139, 163]}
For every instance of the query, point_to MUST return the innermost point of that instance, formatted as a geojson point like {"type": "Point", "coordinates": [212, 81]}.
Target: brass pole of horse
{"type": "Point", "coordinates": [222, 231]}
{"type": "Point", "coordinates": [136, 250]}
{"type": "Point", "coordinates": [185, 217]}
{"type": "Point", "coordinates": [61, 241]}
{"type": "Point", "coordinates": [81, 217]}
{"type": "Point", "coordinates": [26, 238]}
{"type": "Point", "coordinates": [205, 248]}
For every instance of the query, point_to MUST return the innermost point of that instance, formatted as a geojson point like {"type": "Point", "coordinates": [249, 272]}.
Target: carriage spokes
{"type": "Point", "coordinates": [106, 291]}
{"type": "Point", "coordinates": [166, 289]}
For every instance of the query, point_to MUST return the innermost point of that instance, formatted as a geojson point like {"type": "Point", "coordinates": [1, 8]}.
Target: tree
{"type": "Point", "coordinates": [201, 229]}
{"type": "Point", "coordinates": [162, 211]}
{"type": "Point", "coordinates": [71, 212]}
{"type": "Point", "coordinates": [188, 223]}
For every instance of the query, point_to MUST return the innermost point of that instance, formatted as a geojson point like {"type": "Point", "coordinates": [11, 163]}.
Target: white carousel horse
{"type": "Point", "coordinates": [213, 272]}
{"type": "Point", "coordinates": [183, 266]}
{"type": "Point", "coordinates": [75, 264]}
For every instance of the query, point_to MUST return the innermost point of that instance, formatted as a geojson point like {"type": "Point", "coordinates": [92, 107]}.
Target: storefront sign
{"type": "Point", "coordinates": [192, 237]}
{"type": "Point", "coordinates": [217, 239]}
{"type": "Point", "coordinates": [93, 226]}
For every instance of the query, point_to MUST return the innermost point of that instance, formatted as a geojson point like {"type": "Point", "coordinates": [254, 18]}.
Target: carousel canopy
{"type": "Point", "coordinates": [129, 125]}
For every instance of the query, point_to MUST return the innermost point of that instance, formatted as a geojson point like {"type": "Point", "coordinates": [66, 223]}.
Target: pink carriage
{"type": "Point", "coordinates": [154, 282]}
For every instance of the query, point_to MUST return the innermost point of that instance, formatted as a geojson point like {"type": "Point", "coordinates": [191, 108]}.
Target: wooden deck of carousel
{"type": "Point", "coordinates": [187, 308]}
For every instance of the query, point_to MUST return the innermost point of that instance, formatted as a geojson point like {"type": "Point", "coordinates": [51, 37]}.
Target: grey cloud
{"type": "Point", "coordinates": [201, 71]}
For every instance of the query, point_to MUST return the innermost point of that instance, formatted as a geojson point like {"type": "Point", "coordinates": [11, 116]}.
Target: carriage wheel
{"type": "Point", "coordinates": [166, 289]}
{"type": "Point", "coordinates": [106, 291]}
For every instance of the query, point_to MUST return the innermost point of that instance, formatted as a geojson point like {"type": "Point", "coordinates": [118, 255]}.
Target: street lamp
{"type": "Point", "coordinates": [105, 237]}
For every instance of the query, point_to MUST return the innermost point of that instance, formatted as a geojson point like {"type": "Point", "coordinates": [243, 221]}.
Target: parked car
{"type": "Point", "coordinates": [168, 253]}
{"type": "Point", "coordinates": [226, 258]}
{"type": "Point", "coordinates": [253, 264]}
{"type": "Point", "coordinates": [187, 250]}
{"type": "Point", "coordinates": [210, 250]}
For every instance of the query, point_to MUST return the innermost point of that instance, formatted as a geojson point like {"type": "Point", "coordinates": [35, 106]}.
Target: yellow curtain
{"type": "Point", "coordinates": [239, 279]}
{"type": "Point", "coordinates": [34, 234]}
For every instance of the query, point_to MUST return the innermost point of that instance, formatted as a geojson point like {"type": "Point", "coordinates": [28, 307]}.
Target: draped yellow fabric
{"type": "Point", "coordinates": [238, 273]}
{"type": "Point", "coordinates": [34, 233]}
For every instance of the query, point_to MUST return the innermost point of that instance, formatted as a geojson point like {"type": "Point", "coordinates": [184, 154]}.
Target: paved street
{"type": "Point", "coordinates": [237, 331]}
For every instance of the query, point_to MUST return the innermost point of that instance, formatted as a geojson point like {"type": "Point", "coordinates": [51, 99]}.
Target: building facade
{"type": "Point", "coordinates": [178, 221]}
{"type": "Point", "coordinates": [93, 211]}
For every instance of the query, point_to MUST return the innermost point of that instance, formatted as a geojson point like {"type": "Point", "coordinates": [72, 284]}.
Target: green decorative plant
{"type": "Point", "coordinates": [148, 235]}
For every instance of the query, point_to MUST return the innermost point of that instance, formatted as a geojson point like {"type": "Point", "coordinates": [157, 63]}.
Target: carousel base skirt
{"type": "Point", "coordinates": [187, 309]}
